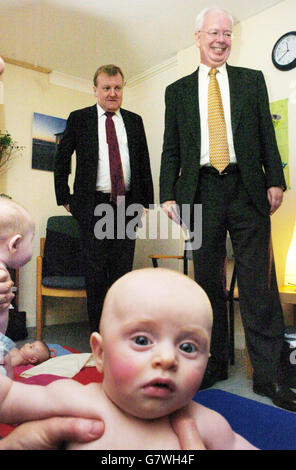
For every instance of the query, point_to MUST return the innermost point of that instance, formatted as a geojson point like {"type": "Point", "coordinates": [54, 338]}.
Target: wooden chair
{"type": "Point", "coordinates": [60, 265]}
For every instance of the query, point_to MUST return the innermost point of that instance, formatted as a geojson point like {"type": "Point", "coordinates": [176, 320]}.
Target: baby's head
{"type": "Point", "coordinates": [154, 341]}
{"type": "Point", "coordinates": [16, 233]}
{"type": "Point", "coordinates": [35, 353]}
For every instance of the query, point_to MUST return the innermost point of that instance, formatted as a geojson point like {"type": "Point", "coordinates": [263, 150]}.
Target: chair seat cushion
{"type": "Point", "coordinates": [62, 282]}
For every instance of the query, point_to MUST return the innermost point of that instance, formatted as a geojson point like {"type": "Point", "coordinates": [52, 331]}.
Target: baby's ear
{"type": "Point", "coordinates": [13, 243]}
{"type": "Point", "coordinates": [96, 344]}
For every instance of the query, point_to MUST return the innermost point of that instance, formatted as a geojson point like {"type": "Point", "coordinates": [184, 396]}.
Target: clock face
{"type": "Point", "coordinates": [284, 52]}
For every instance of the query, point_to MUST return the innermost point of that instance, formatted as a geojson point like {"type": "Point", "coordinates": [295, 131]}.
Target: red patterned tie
{"type": "Point", "coordinates": [116, 172]}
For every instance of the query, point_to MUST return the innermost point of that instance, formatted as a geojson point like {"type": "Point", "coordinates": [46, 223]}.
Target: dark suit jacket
{"type": "Point", "coordinates": [255, 145]}
{"type": "Point", "coordinates": [81, 135]}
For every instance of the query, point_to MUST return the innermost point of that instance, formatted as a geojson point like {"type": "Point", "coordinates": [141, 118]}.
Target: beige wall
{"type": "Point", "coordinates": [27, 92]}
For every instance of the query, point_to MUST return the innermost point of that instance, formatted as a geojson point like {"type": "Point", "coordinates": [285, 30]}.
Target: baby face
{"type": "Point", "coordinates": [34, 352]}
{"type": "Point", "coordinates": [155, 348]}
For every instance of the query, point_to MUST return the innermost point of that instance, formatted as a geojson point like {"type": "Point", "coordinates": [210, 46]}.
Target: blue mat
{"type": "Point", "coordinates": [266, 427]}
{"type": "Point", "coordinates": [60, 351]}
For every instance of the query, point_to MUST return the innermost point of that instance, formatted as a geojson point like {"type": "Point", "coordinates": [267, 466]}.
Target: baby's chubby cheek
{"type": "Point", "coordinates": [193, 380]}
{"type": "Point", "coordinates": [122, 369]}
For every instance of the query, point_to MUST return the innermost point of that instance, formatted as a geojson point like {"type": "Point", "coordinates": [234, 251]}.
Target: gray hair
{"type": "Point", "coordinates": [201, 16]}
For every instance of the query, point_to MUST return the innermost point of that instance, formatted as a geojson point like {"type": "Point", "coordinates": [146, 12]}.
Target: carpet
{"type": "Point", "coordinates": [266, 427]}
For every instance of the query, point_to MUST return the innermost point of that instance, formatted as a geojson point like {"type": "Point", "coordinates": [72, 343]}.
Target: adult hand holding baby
{"type": "Point", "coordinates": [49, 434]}
{"type": "Point", "coordinates": [185, 428]}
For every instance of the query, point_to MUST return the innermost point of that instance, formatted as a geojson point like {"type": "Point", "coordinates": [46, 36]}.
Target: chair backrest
{"type": "Point", "coordinates": [64, 224]}
{"type": "Point", "coordinates": [63, 254]}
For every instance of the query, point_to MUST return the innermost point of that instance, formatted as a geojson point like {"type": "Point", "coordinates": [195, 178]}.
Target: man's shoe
{"type": "Point", "coordinates": [214, 372]}
{"type": "Point", "coordinates": [280, 394]}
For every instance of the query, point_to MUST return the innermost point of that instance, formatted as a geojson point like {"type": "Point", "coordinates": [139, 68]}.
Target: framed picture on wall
{"type": "Point", "coordinates": [46, 135]}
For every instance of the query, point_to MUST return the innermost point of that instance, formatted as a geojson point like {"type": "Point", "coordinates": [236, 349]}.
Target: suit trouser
{"type": "Point", "coordinates": [226, 206]}
{"type": "Point", "coordinates": [107, 259]}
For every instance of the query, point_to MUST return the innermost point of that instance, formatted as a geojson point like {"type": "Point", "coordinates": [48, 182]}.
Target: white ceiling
{"type": "Point", "coordinates": [76, 36]}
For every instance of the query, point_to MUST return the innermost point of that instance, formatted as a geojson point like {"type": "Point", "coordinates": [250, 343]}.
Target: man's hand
{"type": "Point", "coordinates": [185, 428]}
{"type": "Point", "coordinates": [171, 210]}
{"type": "Point", "coordinates": [67, 207]}
{"type": "Point", "coordinates": [275, 198]}
{"type": "Point", "coordinates": [49, 434]}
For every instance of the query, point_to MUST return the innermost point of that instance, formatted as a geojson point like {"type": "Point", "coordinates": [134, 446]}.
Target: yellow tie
{"type": "Point", "coordinates": [219, 153]}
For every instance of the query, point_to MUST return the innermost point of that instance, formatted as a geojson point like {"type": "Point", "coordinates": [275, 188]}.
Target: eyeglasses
{"type": "Point", "coordinates": [214, 34]}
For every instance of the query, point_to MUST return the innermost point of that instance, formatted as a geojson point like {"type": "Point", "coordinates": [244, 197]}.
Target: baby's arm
{"type": "Point", "coordinates": [216, 432]}
{"type": "Point", "coordinates": [20, 402]}
{"type": "Point", "coordinates": [224, 438]}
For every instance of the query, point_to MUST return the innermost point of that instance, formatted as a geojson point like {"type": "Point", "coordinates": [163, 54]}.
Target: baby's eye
{"type": "Point", "coordinates": [142, 340]}
{"type": "Point", "coordinates": [188, 348]}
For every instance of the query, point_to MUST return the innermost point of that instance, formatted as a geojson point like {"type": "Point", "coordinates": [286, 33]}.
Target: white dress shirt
{"type": "Point", "coordinates": [203, 85]}
{"type": "Point", "coordinates": [103, 177]}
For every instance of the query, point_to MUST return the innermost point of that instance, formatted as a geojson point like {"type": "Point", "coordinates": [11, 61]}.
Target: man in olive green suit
{"type": "Point", "coordinates": [239, 200]}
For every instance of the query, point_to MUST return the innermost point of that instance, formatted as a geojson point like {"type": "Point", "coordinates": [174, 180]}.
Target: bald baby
{"type": "Point", "coordinates": [158, 289]}
{"type": "Point", "coordinates": [16, 236]}
{"type": "Point", "coordinates": [14, 218]}
{"type": "Point", "coordinates": [167, 317]}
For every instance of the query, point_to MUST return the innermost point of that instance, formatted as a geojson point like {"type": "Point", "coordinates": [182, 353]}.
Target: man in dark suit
{"type": "Point", "coordinates": [239, 198]}
{"type": "Point", "coordinates": [109, 247]}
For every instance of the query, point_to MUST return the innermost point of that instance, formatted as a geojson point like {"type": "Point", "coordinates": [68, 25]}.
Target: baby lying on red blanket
{"type": "Point", "coordinates": [30, 353]}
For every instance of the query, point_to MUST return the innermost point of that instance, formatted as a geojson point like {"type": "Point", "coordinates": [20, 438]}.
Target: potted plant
{"type": "Point", "coordinates": [8, 148]}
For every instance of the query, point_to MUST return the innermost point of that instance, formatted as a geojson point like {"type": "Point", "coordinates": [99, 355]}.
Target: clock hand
{"type": "Point", "coordinates": [280, 58]}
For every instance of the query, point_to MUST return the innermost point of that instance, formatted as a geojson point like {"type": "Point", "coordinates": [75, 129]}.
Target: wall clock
{"type": "Point", "coordinates": [284, 52]}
